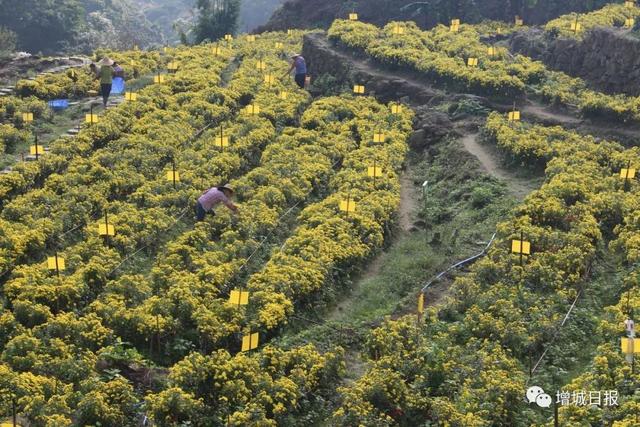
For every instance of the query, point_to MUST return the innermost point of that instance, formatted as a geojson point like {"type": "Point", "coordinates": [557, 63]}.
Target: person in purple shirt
{"type": "Point", "coordinates": [297, 62]}
{"type": "Point", "coordinates": [213, 197]}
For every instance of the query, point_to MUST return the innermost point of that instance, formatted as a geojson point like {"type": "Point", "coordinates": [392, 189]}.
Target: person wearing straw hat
{"type": "Point", "coordinates": [106, 79]}
{"type": "Point", "coordinates": [298, 62]}
{"type": "Point", "coordinates": [213, 197]}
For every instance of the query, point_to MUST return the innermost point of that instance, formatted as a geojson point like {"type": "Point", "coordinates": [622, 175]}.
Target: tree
{"type": "Point", "coordinates": [8, 40]}
{"type": "Point", "coordinates": [216, 18]}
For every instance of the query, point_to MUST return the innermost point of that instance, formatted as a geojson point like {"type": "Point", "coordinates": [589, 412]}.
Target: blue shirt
{"type": "Point", "coordinates": [301, 66]}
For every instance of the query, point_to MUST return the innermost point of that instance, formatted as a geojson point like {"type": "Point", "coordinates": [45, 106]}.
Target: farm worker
{"type": "Point", "coordinates": [297, 62]}
{"type": "Point", "coordinates": [212, 197]}
{"type": "Point", "coordinates": [106, 79]}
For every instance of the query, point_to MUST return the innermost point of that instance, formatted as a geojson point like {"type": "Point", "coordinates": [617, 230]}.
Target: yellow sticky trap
{"type": "Point", "coordinates": [260, 65]}
{"type": "Point", "coordinates": [251, 38]}
{"type": "Point", "coordinates": [222, 141]}
{"type": "Point", "coordinates": [173, 176]}
{"type": "Point", "coordinates": [283, 95]}
{"type": "Point", "coordinates": [27, 117]}
{"type": "Point", "coordinates": [379, 137]}
{"type": "Point", "coordinates": [348, 206]}
{"type": "Point", "coordinates": [249, 342]}
{"type": "Point", "coordinates": [173, 66]}
{"type": "Point", "coordinates": [472, 62]}
{"type": "Point", "coordinates": [106, 229]}
{"type": "Point", "coordinates": [158, 79]}
{"type": "Point", "coordinates": [252, 109]}
{"type": "Point", "coordinates": [358, 89]}
{"type": "Point", "coordinates": [518, 21]}
{"type": "Point", "coordinates": [353, 17]}
{"type": "Point", "coordinates": [55, 263]}
{"type": "Point", "coordinates": [216, 50]}
{"type": "Point", "coordinates": [91, 118]}
{"type": "Point", "coordinates": [576, 27]}
{"type": "Point", "coordinates": [455, 22]}
{"type": "Point", "coordinates": [289, 32]}
{"type": "Point", "coordinates": [499, 30]}
{"type": "Point", "coordinates": [630, 345]}
{"type": "Point", "coordinates": [514, 116]}
{"type": "Point", "coordinates": [36, 149]}
{"type": "Point", "coordinates": [397, 30]}
{"type": "Point", "coordinates": [629, 3]}
{"type": "Point", "coordinates": [279, 45]}
{"type": "Point", "coordinates": [396, 109]}
{"type": "Point", "coordinates": [239, 297]}
{"type": "Point", "coordinates": [130, 96]}
{"type": "Point", "coordinates": [374, 171]}
{"type": "Point", "coordinates": [492, 51]}
{"type": "Point", "coordinates": [132, 63]}
{"type": "Point", "coordinates": [521, 247]}
{"type": "Point", "coordinates": [269, 79]}
{"type": "Point", "coordinates": [454, 28]}
{"type": "Point", "coordinates": [228, 37]}
{"type": "Point", "coordinates": [627, 173]}
{"type": "Point", "coordinates": [629, 23]}
{"type": "Point", "coordinates": [165, 49]}
{"type": "Point", "coordinates": [421, 303]}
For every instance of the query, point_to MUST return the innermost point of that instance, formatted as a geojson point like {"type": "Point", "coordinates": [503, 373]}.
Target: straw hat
{"type": "Point", "coordinates": [227, 187]}
{"type": "Point", "coordinates": [106, 61]}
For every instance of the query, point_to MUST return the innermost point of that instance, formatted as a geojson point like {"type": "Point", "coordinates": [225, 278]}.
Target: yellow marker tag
{"type": "Point", "coordinates": [518, 247]}
{"type": "Point", "coordinates": [514, 116]}
{"type": "Point", "coordinates": [27, 117]}
{"type": "Point", "coordinates": [222, 141]}
{"type": "Point", "coordinates": [216, 50]}
{"type": "Point", "coordinates": [239, 297]}
{"type": "Point", "coordinates": [269, 79]}
{"type": "Point", "coordinates": [172, 66]}
{"type": "Point", "coordinates": [130, 96]}
{"type": "Point", "coordinates": [627, 173]}
{"type": "Point", "coordinates": [228, 37]}
{"type": "Point", "coordinates": [379, 137]}
{"type": "Point", "coordinates": [421, 303]}
{"type": "Point", "coordinates": [251, 38]}
{"type": "Point", "coordinates": [630, 345]}
{"type": "Point", "coordinates": [283, 95]}
{"type": "Point", "coordinates": [518, 21]}
{"type": "Point", "coordinates": [576, 26]}
{"type": "Point", "coordinates": [165, 49]}
{"type": "Point", "coordinates": [353, 17]}
{"type": "Point", "coordinates": [629, 23]}
{"type": "Point", "coordinates": [629, 3]}
{"type": "Point", "coordinates": [132, 63]}
{"type": "Point", "coordinates": [252, 109]}
{"type": "Point", "coordinates": [103, 230]}
{"type": "Point", "coordinates": [158, 79]}
{"type": "Point", "coordinates": [397, 30]}
{"type": "Point", "coordinates": [455, 22]}
{"type": "Point", "coordinates": [249, 342]}
{"type": "Point", "coordinates": [396, 109]}
{"type": "Point", "coordinates": [374, 171]}
{"type": "Point", "coordinates": [279, 45]}
{"type": "Point", "coordinates": [454, 28]}
{"type": "Point", "coordinates": [348, 206]}
{"type": "Point", "coordinates": [289, 32]}
{"type": "Point", "coordinates": [33, 151]}
{"type": "Point", "coordinates": [171, 176]}
{"type": "Point", "coordinates": [91, 118]}
{"type": "Point", "coordinates": [261, 65]}
{"type": "Point", "coordinates": [358, 89]}
{"type": "Point", "coordinates": [492, 51]}
{"type": "Point", "coordinates": [51, 263]}
{"type": "Point", "coordinates": [472, 62]}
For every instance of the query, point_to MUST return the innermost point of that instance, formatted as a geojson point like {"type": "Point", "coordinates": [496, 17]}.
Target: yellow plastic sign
{"type": "Point", "coordinates": [91, 118]}
{"type": "Point", "coordinates": [158, 79]}
{"type": "Point", "coordinates": [379, 137]}
{"type": "Point", "coordinates": [518, 21]}
{"type": "Point", "coordinates": [222, 141]}
{"type": "Point", "coordinates": [55, 263]}
{"type": "Point", "coordinates": [397, 30]}
{"type": "Point", "coordinates": [374, 171]}
{"type": "Point", "coordinates": [353, 17]}
{"type": "Point", "coordinates": [260, 65]}
{"type": "Point", "coordinates": [249, 342]}
{"type": "Point", "coordinates": [492, 51]}
{"type": "Point", "coordinates": [454, 28]}
{"type": "Point", "coordinates": [472, 62]}
{"type": "Point", "coordinates": [106, 229]}
{"type": "Point", "coordinates": [269, 79]}
{"type": "Point", "coordinates": [289, 32]}
{"type": "Point", "coordinates": [514, 116]}
{"type": "Point", "coordinates": [396, 109]}
{"type": "Point", "coordinates": [455, 22]}
{"type": "Point", "coordinates": [27, 117]}
{"type": "Point", "coordinates": [421, 303]}
{"type": "Point", "coordinates": [279, 45]}
{"type": "Point", "coordinates": [172, 66]}
{"type": "Point", "coordinates": [173, 176]}
{"type": "Point", "coordinates": [629, 3]}
{"type": "Point", "coordinates": [358, 89]}
{"type": "Point", "coordinates": [521, 247]}
{"type": "Point", "coordinates": [239, 297]}
{"type": "Point", "coordinates": [630, 345]}
{"type": "Point", "coordinates": [216, 50]}
{"type": "Point", "coordinates": [576, 26]}
{"type": "Point", "coordinates": [283, 95]}
{"type": "Point", "coordinates": [130, 96]}
{"type": "Point", "coordinates": [251, 38]}
{"type": "Point", "coordinates": [36, 149]}
{"type": "Point", "coordinates": [629, 23]}
{"type": "Point", "coordinates": [228, 37]}
{"type": "Point", "coordinates": [627, 173]}
{"type": "Point", "coordinates": [348, 206]}
{"type": "Point", "coordinates": [252, 109]}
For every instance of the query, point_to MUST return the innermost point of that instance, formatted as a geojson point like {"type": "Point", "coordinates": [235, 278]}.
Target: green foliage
{"type": "Point", "coordinates": [8, 41]}
{"type": "Point", "coordinates": [215, 19]}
